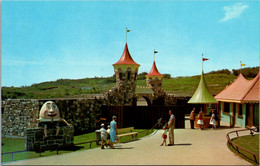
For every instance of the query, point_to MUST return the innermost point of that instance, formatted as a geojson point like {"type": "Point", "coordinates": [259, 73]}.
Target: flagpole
{"type": "Point", "coordinates": [126, 34]}
{"type": "Point", "coordinates": [240, 66]}
{"type": "Point", "coordinates": [202, 62]}
{"type": "Point", "coordinates": [153, 54]}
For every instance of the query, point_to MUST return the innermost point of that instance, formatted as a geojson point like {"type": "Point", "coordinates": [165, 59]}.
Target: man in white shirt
{"type": "Point", "coordinates": [171, 126]}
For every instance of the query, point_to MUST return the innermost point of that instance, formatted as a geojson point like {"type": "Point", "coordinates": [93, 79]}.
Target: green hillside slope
{"type": "Point", "coordinates": [66, 88]}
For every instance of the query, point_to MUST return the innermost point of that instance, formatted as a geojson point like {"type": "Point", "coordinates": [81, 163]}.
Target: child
{"type": "Point", "coordinates": [103, 136]}
{"type": "Point", "coordinates": [108, 134]}
{"type": "Point", "coordinates": [164, 135]}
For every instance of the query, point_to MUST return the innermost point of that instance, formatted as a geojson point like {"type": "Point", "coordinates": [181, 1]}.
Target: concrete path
{"type": "Point", "coordinates": [192, 147]}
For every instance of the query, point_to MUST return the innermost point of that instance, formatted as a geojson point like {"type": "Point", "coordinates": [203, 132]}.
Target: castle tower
{"type": "Point", "coordinates": [126, 70]}
{"type": "Point", "coordinates": [154, 80]}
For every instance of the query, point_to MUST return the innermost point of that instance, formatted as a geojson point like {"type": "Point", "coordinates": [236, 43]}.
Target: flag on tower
{"type": "Point", "coordinates": [155, 51]}
{"type": "Point", "coordinates": [127, 30]}
{"type": "Point", "coordinates": [242, 64]}
{"type": "Point", "coordinates": [205, 59]}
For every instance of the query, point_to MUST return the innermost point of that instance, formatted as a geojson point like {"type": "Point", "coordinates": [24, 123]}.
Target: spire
{"type": "Point", "coordinates": [126, 58]}
{"type": "Point", "coordinates": [154, 71]}
{"type": "Point", "coordinates": [202, 95]}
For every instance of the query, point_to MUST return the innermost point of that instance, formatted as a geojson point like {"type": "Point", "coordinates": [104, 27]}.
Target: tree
{"type": "Point", "coordinates": [167, 76]}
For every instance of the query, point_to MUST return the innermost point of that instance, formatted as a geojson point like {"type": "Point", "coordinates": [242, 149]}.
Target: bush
{"type": "Point", "coordinates": [223, 71]}
{"type": "Point", "coordinates": [249, 72]}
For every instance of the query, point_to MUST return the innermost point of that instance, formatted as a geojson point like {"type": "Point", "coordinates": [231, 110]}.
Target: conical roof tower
{"type": "Point", "coordinates": [126, 70]}
{"type": "Point", "coordinates": [154, 80]}
{"type": "Point", "coordinates": [154, 72]}
{"type": "Point", "coordinates": [202, 94]}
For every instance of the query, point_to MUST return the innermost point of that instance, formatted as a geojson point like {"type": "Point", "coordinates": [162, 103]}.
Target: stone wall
{"type": "Point", "coordinates": [17, 115]}
{"type": "Point", "coordinates": [124, 91]}
{"type": "Point", "coordinates": [36, 142]}
{"type": "Point", "coordinates": [83, 114]}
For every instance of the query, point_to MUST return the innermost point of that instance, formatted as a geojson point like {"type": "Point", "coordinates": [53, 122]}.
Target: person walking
{"type": "Point", "coordinates": [213, 119]}
{"type": "Point", "coordinates": [113, 132]}
{"type": "Point", "coordinates": [192, 118]}
{"type": "Point", "coordinates": [171, 126]}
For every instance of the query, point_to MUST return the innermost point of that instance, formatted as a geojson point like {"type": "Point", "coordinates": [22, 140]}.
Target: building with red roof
{"type": "Point", "coordinates": [239, 102]}
{"type": "Point", "coordinates": [126, 70]}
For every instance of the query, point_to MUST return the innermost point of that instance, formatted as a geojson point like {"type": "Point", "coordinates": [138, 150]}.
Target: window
{"type": "Point", "coordinates": [226, 108]}
{"type": "Point", "coordinates": [120, 76]}
{"type": "Point", "coordinates": [135, 76]}
{"type": "Point", "coordinates": [240, 110]}
{"type": "Point", "coordinates": [235, 107]}
{"type": "Point", "coordinates": [128, 75]}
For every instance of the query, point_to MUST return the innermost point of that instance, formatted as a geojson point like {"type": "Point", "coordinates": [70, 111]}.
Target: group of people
{"type": "Point", "coordinates": [108, 137]}
{"type": "Point", "coordinates": [169, 127]}
{"type": "Point", "coordinates": [200, 122]}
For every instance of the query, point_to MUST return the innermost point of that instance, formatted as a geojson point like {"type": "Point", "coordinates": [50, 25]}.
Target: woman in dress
{"type": "Point", "coordinates": [200, 121]}
{"type": "Point", "coordinates": [113, 132]}
{"type": "Point", "coordinates": [213, 119]}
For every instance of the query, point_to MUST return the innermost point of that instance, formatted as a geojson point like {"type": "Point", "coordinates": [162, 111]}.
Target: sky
{"type": "Point", "coordinates": [49, 40]}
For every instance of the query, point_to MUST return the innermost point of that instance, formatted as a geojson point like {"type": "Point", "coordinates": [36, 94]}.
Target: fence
{"type": "Point", "coordinates": [143, 117]}
{"type": "Point", "coordinates": [238, 148]}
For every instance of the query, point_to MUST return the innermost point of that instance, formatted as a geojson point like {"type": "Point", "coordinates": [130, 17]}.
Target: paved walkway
{"type": "Point", "coordinates": [192, 147]}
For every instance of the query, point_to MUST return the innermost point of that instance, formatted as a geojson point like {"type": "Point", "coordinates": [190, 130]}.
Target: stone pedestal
{"type": "Point", "coordinates": [35, 140]}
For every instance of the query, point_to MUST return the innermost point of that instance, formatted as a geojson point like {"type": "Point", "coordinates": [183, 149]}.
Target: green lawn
{"type": "Point", "coordinates": [18, 144]}
{"type": "Point", "coordinates": [250, 143]}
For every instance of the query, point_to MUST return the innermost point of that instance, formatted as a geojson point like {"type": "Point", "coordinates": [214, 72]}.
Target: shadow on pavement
{"type": "Point", "coordinates": [185, 144]}
{"type": "Point", "coordinates": [124, 148]}
{"type": "Point", "coordinates": [71, 148]}
{"type": "Point", "coordinates": [120, 147]}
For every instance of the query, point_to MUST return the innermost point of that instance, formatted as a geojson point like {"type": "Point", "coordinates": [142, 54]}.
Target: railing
{"type": "Point", "coordinates": [13, 153]}
{"type": "Point", "coordinates": [157, 125]}
{"type": "Point", "coordinates": [90, 144]}
{"type": "Point", "coordinates": [238, 148]}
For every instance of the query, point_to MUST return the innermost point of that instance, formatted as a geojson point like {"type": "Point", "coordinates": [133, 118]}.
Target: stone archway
{"type": "Point", "coordinates": [143, 101]}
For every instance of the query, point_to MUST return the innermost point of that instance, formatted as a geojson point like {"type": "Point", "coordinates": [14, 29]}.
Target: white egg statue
{"type": "Point", "coordinates": [50, 117]}
{"type": "Point", "coordinates": [49, 111]}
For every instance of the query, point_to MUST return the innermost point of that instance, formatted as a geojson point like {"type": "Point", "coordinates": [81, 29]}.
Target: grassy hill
{"type": "Point", "coordinates": [67, 88]}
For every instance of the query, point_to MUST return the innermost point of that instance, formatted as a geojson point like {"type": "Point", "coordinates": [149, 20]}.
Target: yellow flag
{"type": "Point", "coordinates": [243, 64]}
{"type": "Point", "coordinates": [128, 30]}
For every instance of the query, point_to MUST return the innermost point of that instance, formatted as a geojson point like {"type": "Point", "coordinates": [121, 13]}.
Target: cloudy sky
{"type": "Point", "coordinates": [48, 40]}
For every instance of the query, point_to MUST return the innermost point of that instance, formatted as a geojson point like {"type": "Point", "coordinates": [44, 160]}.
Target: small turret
{"type": "Point", "coordinates": [154, 79]}
{"type": "Point", "coordinates": [126, 70]}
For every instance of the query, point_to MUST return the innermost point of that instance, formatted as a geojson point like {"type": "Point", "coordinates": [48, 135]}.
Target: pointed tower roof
{"type": "Point", "coordinates": [202, 95]}
{"type": "Point", "coordinates": [126, 58]}
{"type": "Point", "coordinates": [154, 71]}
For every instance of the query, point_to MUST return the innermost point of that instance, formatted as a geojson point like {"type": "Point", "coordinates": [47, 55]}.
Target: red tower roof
{"type": "Point", "coordinates": [126, 58]}
{"type": "Point", "coordinates": [154, 71]}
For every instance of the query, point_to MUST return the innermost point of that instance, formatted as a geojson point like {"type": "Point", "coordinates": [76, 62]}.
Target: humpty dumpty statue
{"type": "Point", "coordinates": [50, 117]}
